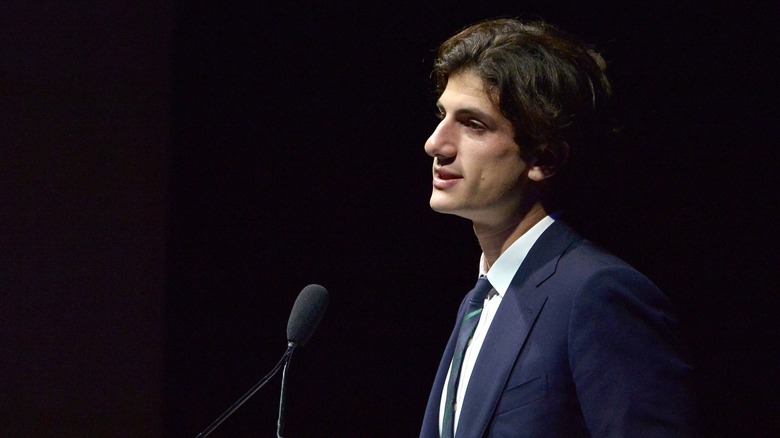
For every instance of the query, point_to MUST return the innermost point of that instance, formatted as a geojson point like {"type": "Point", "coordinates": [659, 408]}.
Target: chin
{"type": "Point", "coordinates": [443, 207]}
{"type": "Point", "coordinates": [435, 206]}
{"type": "Point", "coordinates": [437, 203]}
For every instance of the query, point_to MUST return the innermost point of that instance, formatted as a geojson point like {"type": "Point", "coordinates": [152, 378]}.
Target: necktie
{"type": "Point", "coordinates": [467, 327]}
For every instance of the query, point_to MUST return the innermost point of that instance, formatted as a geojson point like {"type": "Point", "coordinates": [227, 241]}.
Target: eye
{"type": "Point", "coordinates": [439, 114]}
{"type": "Point", "coordinates": [474, 124]}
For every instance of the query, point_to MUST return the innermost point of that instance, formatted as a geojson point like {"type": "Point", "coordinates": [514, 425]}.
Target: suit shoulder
{"type": "Point", "coordinates": [586, 258]}
{"type": "Point", "coordinates": [590, 269]}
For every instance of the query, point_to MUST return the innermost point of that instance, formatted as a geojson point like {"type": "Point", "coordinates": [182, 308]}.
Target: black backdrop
{"type": "Point", "coordinates": [292, 154]}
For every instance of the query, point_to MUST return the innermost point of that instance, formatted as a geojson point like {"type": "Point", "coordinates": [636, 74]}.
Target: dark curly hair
{"type": "Point", "coordinates": [546, 83]}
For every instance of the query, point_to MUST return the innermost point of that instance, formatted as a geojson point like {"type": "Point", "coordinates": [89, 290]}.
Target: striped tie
{"type": "Point", "coordinates": [467, 327]}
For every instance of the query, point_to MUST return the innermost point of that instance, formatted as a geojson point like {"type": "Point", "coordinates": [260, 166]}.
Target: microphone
{"type": "Point", "coordinates": [306, 314]}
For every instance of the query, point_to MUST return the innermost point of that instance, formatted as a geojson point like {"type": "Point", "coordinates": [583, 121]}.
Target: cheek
{"type": "Point", "coordinates": [501, 170]}
{"type": "Point", "coordinates": [507, 160]}
{"type": "Point", "coordinates": [513, 181]}
{"type": "Point", "coordinates": [511, 170]}
{"type": "Point", "coordinates": [501, 179]}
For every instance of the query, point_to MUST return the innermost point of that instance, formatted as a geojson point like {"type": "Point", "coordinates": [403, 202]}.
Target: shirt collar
{"type": "Point", "coordinates": [503, 270]}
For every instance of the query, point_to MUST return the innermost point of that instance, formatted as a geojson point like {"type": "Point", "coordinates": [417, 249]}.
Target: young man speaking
{"type": "Point", "coordinates": [558, 338]}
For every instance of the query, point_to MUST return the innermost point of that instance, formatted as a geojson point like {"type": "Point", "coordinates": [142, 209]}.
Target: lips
{"type": "Point", "coordinates": [443, 179]}
{"type": "Point", "coordinates": [446, 175]}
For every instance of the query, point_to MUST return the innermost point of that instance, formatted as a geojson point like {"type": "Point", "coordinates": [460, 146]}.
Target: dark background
{"type": "Point", "coordinates": [173, 173]}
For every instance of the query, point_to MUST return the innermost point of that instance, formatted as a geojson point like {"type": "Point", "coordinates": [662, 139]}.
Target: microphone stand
{"type": "Point", "coordinates": [284, 360]}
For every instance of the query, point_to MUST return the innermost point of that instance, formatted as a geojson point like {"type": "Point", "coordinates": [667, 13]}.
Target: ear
{"type": "Point", "coordinates": [549, 158]}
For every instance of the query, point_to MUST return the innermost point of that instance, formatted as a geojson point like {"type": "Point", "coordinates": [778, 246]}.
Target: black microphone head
{"type": "Point", "coordinates": [306, 314]}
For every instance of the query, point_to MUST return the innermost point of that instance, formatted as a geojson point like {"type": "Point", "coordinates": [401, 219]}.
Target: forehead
{"type": "Point", "coordinates": [467, 89]}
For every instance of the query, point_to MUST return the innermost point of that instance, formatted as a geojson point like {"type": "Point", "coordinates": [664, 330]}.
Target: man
{"type": "Point", "coordinates": [569, 340]}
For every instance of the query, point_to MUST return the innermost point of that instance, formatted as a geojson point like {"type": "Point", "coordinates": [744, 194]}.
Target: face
{"type": "Point", "coordinates": [477, 170]}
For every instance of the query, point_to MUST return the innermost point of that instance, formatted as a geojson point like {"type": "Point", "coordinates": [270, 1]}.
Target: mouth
{"type": "Point", "coordinates": [443, 179]}
{"type": "Point", "coordinates": [445, 174]}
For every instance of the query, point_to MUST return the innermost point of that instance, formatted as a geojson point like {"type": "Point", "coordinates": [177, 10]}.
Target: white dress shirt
{"type": "Point", "coordinates": [500, 276]}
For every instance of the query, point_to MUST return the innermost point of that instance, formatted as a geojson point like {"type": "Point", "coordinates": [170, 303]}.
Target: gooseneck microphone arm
{"type": "Point", "coordinates": [283, 361]}
{"type": "Point", "coordinates": [282, 399]}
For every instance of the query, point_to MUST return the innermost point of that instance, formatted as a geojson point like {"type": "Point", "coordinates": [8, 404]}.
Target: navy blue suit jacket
{"type": "Point", "coordinates": [582, 345]}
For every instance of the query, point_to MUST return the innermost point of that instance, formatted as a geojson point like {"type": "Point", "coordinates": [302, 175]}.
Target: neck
{"type": "Point", "coordinates": [494, 239]}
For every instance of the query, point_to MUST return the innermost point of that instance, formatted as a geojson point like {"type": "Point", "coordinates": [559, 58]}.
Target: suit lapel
{"type": "Point", "coordinates": [514, 319]}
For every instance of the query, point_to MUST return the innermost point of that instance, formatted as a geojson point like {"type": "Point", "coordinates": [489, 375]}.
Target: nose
{"type": "Point", "coordinates": [442, 143]}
